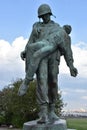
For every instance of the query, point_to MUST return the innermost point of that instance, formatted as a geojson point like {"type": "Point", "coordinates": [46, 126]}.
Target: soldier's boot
{"type": "Point", "coordinates": [43, 115]}
{"type": "Point", "coordinates": [23, 88]}
{"type": "Point", "coordinates": [52, 115]}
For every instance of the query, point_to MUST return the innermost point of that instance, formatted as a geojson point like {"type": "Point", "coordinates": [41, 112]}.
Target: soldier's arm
{"type": "Point", "coordinates": [32, 39]}
{"type": "Point", "coordinates": [68, 56]}
{"type": "Point", "coordinates": [23, 53]}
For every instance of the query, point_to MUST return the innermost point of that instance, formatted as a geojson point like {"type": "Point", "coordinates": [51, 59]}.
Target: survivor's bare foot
{"type": "Point", "coordinates": [22, 89]}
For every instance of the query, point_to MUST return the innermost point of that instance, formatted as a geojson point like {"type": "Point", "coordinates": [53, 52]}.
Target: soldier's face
{"type": "Point", "coordinates": [46, 18]}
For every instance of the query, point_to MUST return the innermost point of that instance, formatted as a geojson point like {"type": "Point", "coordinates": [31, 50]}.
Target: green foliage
{"type": "Point", "coordinates": [25, 107]}
{"type": "Point", "coordinates": [2, 119]}
{"type": "Point", "coordinates": [59, 104]}
{"type": "Point", "coordinates": [16, 109]}
{"type": "Point", "coordinates": [77, 123]}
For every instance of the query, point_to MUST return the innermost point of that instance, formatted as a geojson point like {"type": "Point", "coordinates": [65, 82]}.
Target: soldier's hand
{"type": "Point", "coordinates": [73, 72]}
{"type": "Point", "coordinates": [23, 55]}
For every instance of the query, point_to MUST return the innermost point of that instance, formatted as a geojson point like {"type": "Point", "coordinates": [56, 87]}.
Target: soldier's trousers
{"type": "Point", "coordinates": [47, 81]}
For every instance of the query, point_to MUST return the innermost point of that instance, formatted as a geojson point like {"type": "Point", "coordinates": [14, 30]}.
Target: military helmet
{"type": "Point", "coordinates": [44, 9]}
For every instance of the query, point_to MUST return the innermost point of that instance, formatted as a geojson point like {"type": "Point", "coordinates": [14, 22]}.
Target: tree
{"type": "Point", "coordinates": [18, 110]}
{"type": "Point", "coordinates": [59, 104]}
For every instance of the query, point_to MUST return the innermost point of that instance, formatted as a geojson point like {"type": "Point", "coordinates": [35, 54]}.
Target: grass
{"type": "Point", "coordinates": [77, 123]}
{"type": "Point", "coordinates": [72, 123]}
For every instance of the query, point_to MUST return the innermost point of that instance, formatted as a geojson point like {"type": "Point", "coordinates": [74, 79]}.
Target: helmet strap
{"type": "Point", "coordinates": [54, 16]}
{"type": "Point", "coordinates": [39, 19]}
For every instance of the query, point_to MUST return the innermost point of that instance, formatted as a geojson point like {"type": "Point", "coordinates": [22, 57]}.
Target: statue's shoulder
{"type": "Point", "coordinates": [56, 24]}
{"type": "Point", "coordinates": [37, 24]}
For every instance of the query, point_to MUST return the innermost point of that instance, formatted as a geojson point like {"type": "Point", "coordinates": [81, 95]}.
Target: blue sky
{"type": "Point", "coordinates": [16, 20]}
{"type": "Point", "coordinates": [17, 16]}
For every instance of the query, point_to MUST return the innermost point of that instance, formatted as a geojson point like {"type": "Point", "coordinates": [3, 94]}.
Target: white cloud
{"type": "Point", "coordinates": [64, 93]}
{"type": "Point", "coordinates": [84, 97]}
{"type": "Point", "coordinates": [80, 56]}
{"type": "Point", "coordinates": [80, 60]}
{"type": "Point", "coordinates": [82, 110]}
{"type": "Point", "coordinates": [82, 45]}
{"type": "Point", "coordinates": [70, 91]}
{"type": "Point", "coordinates": [11, 65]}
{"type": "Point", "coordinates": [81, 91]}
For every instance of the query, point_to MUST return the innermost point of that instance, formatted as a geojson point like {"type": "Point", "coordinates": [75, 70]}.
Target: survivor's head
{"type": "Point", "coordinates": [67, 28]}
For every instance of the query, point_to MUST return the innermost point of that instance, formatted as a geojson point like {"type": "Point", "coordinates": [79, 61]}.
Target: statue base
{"type": "Point", "coordinates": [57, 125]}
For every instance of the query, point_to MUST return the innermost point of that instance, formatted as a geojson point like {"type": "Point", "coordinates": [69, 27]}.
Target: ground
{"type": "Point", "coordinates": [4, 128]}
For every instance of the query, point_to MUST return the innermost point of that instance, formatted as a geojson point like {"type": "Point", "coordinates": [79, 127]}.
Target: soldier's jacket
{"type": "Point", "coordinates": [48, 32]}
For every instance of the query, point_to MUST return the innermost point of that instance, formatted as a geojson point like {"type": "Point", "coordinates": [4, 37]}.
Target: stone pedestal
{"type": "Point", "coordinates": [57, 125]}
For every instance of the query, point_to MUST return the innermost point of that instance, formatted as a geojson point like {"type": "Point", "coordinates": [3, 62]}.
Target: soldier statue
{"type": "Point", "coordinates": [47, 42]}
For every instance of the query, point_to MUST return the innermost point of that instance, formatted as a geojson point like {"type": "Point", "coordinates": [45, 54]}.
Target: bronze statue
{"type": "Point", "coordinates": [48, 41]}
